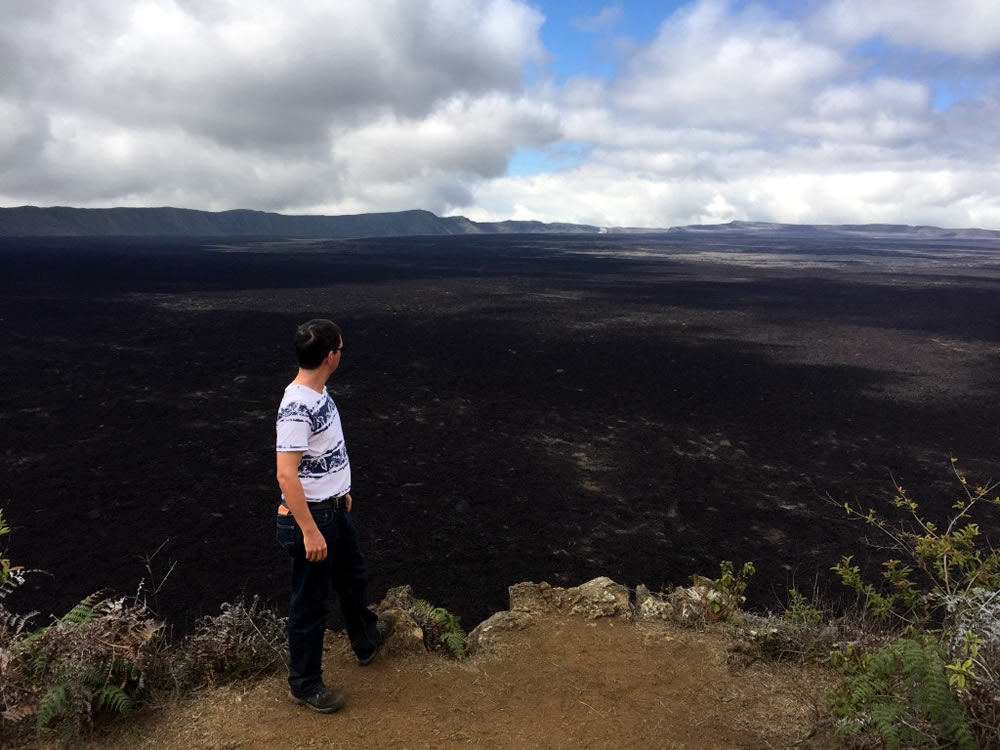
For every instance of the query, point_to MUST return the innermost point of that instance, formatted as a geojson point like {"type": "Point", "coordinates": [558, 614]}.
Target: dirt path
{"type": "Point", "coordinates": [566, 682]}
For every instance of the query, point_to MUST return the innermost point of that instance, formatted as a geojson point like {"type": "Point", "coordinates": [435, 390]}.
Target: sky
{"type": "Point", "coordinates": [627, 113]}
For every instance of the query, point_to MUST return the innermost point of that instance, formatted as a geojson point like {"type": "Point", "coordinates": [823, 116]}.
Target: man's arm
{"type": "Point", "coordinates": [295, 499]}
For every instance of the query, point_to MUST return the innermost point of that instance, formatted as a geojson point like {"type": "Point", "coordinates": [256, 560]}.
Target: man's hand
{"type": "Point", "coordinates": [315, 545]}
{"type": "Point", "coordinates": [347, 502]}
{"type": "Point", "coordinates": [291, 489]}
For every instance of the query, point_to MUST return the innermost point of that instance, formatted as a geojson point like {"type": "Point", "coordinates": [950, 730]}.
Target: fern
{"type": "Point", "coordinates": [455, 641]}
{"type": "Point", "coordinates": [441, 627]}
{"type": "Point", "coordinates": [901, 692]}
{"type": "Point", "coordinates": [244, 640]}
{"type": "Point", "coordinates": [113, 698]}
{"type": "Point", "coordinates": [4, 562]}
{"type": "Point", "coordinates": [87, 610]}
{"type": "Point", "coordinates": [53, 703]}
{"type": "Point", "coordinates": [885, 717]}
{"type": "Point", "coordinates": [13, 621]}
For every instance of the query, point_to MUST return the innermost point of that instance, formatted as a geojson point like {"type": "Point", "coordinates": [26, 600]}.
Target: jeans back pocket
{"type": "Point", "coordinates": [288, 535]}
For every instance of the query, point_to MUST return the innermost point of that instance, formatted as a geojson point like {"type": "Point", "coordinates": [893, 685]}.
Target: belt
{"type": "Point", "coordinates": [335, 502]}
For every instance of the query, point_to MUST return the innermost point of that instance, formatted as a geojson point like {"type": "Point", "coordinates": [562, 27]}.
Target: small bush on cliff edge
{"type": "Point", "coordinates": [943, 593]}
{"type": "Point", "coordinates": [109, 656]}
{"type": "Point", "coordinates": [442, 629]}
{"type": "Point", "coordinates": [103, 655]}
{"type": "Point", "coordinates": [96, 658]}
{"type": "Point", "coordinates": [244, 641]}
{"type": "Point", "coordinates": [722, 597]}
{"type": "Point", "coordinates": [901, 692]}
{"type": "Point", "coordinates": [4, 560]}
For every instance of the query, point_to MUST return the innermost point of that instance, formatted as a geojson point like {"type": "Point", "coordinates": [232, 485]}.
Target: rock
{"type": "Point", "coordinates": [692, 603]}
{"type": "Point", "coordinates": [485, 634]}
{"type": "Point", "coordinates": [407, 637]}
{"type": "Point", "coordinates": [600, 597]}
{"type": "Point", "coordinates": [530, 597]}
{"type": "Point", "coordinates": [240, 379]}
{"type": "Point", "coordinates": [685, 604]}
{"type": "Point", "coordinates": [650, 606]}
{"type": "Point", "coordinates": [398, 597]}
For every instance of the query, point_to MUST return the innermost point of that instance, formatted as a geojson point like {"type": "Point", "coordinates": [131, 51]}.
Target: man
{"type": "Point", "coordinates": [314, 522]}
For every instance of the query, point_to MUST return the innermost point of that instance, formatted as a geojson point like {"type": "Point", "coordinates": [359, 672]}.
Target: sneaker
{"type": "Point", "coordinates": [325, 701]}
{"type": "Point", "coordinates": [385, 625]}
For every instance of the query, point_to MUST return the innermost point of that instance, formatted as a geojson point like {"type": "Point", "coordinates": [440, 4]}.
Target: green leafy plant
{"type": "Point", "coordinates": [722, 597]}
{"type": "Point", "coordinates": [11, 623]}
{"type": "Point", "coordinates": [108, 656]}
{"type": "Point", "coordinates": [16, 704]}
{"type": "Point", "coordinates": [4, 560]}
{"type": "Point", "coordinates": [900, 693]}
{"type": "Point", "coordinates": [942, 586]}
{"type": "Point", "coordinates": [800, 612]}
{"type": "Point", "coordinates": [951, 557]}
{"type": "Point", "coordinates": [97, 657]}
{"type": "Point", "coordinates": [82, 689]}
{"type": "Point", "coordinates": [441, 628]}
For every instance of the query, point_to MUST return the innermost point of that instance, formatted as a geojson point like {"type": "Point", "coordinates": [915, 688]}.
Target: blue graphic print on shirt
{"type": "Point", "coordinates": [309, 422]}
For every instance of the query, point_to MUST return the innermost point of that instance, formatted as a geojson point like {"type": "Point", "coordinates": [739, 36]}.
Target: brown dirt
{"type": "Point", "coordinates": [564, 683]}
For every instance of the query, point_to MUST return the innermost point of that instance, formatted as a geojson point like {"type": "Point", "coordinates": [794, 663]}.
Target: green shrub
{"type": "Point", "coordinates": [952, 558]}
{"type": "Point", "coordinates": [901, 693]}
{"type": "Point", "coordinates": [442, 629]}
{"type": "Point", "coordinates": [107, 656]}
{"type": "Point", "coordinates": [4, 560]}
{"type": "Point", "coordinates": [96, 658]}
{"type": "Point", "coordinates": [943, 591]}
{"type": "Point", "coordinates": [722, 597]}
{"type": "Point", "coordinates": [800, 612]}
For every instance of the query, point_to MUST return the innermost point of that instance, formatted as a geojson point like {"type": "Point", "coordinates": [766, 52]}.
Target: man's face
{"type": "Point", "coordinates": [335, 355]}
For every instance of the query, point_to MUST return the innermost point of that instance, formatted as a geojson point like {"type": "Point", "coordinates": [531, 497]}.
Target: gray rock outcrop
{"type": "Point", "coordinates": [600, 597]}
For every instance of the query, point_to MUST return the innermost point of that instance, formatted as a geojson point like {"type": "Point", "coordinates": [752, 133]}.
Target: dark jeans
{"type": "Point", "coordinates": [344, 569]}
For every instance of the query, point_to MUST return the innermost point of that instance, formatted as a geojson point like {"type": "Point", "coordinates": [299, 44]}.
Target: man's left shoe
{"type": "Point", "coordinates": [385, 625]}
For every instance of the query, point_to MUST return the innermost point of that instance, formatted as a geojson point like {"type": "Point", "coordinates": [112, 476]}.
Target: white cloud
{"type": "Point", "coordinates": [728, 112]}
{"type": "Point", "coordinates": [707, 66]}
{"type": "Point", "coordinates": [219, 103]}
{"type": "Point", "coordinates": [879, 111]}
{"type": "Point", "coordinates": [968, 28]}
{"type": "Point", "coordinates": [466, 136]}
{"type": "Point", "coordinates": [590, 194]}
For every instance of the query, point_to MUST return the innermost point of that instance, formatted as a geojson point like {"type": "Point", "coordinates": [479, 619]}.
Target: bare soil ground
{"type": "Point", "coordinates": [564, 683]}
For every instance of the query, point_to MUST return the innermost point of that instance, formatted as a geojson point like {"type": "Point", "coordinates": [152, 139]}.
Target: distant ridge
{"type": "Point", "coordinates": [903, 231]}
{"type": "Point", "coordinates": [32, 221]}
{"type": "Point", "coordinates": [59, 221]}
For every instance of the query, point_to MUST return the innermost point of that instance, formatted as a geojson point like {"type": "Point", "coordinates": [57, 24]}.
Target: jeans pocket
{"type": "Point", "coordinates": [323, 517]}
{"type": "Point", "coordinates": [289, 536]}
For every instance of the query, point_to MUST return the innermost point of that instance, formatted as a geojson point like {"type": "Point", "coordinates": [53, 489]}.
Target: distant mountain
{"type": "Point", "coordinates": [861, 231]}
{"type": "Point", "coordinates": [32, 221]}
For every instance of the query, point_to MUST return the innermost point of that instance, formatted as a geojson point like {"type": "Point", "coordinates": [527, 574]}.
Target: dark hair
{"type": "Point", "coordinates": [314, 340]}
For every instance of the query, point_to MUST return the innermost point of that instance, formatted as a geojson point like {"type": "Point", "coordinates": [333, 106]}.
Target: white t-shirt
{"type": "Point", "coordinates": [309, 422]}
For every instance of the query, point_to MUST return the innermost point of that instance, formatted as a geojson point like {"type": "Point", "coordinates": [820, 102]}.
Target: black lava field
{"type": "Point", "coordinates": [516, 407]}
